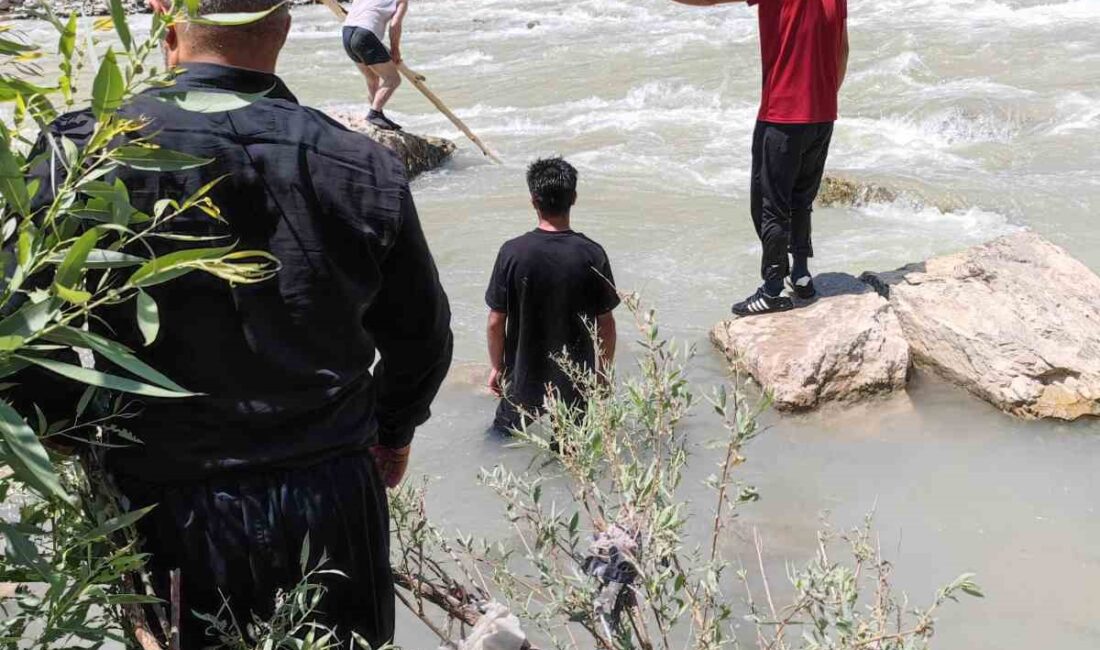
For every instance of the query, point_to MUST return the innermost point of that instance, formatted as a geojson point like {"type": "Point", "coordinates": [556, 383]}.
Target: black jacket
{"type": "Point", "coordinates": [284, 366]}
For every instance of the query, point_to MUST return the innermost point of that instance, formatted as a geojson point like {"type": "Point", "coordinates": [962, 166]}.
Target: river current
{"type": "Point", "coordinates": [989, 109]}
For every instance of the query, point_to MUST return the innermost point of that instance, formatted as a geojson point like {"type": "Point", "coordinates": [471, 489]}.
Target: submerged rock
{"type": "Point", "coordinates": [420, 154]}
{"type": "Point", "coordinates": [836, 191]}
{"type": "Point", "coordinates": [840, 191]}
{"type": "Point", "coordinates": [845, 345]}
{"type": "Point", "coordinates": [1015, 321]}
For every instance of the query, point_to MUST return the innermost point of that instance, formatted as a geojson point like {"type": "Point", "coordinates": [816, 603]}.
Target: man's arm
{"type": "Point", "coordinates": [396, 24]}
{"type": "Point", "coordinates": [609, 338]}
{"type": "Point", "coordinates": [842, 65]}
{"type": "Point", "coordinates": [411, 323]}
{"type": "Point", "coordinates": [495, 330]}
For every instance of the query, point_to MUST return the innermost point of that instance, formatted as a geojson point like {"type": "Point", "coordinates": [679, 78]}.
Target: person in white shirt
{"type": "Point", "coordinates": [364, 32]}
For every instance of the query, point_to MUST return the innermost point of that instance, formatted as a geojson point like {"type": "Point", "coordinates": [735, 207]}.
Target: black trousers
{"type": "Point", "coordinates": [788, 162]}
{"type": "Point", "coordinates": [242, 537]}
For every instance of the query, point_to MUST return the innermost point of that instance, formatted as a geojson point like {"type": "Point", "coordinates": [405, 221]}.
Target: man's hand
{"type": "Point", "coordinates": [496, 378]}
{"type": "Point", "coordinates": [392, 463]}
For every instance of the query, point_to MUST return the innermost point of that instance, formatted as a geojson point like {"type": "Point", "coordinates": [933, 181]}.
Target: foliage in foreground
{"type": "Point", "coordinates": [74, 244]}
{"type": "Point", "coordinates": [607, 552]}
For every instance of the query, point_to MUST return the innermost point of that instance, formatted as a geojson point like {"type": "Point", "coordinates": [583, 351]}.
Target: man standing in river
{"type": "Point", "coordinates": [804, 51]}
{"type": "Point", "coordinates": [548, 287]}
{"type": "Point", "coordinates": [310, 385]}
{"type": "Point", "coordinates": [364, 32]}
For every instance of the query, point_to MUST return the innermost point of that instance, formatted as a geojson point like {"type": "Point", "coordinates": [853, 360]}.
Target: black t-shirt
{"type": "Point", "coordinates": [549, 284]}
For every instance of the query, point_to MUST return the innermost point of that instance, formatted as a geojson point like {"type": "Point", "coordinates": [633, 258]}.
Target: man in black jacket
{"type": "Point", "coordinates": [297, 432]}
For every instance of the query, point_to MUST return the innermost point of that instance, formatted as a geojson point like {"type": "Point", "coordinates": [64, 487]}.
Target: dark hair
{"type": "Point", "coordinates": [553, 183]}
{"type": "Point", "coordinates": [222, 38]}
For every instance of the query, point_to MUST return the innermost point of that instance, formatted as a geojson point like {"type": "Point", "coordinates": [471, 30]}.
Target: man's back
{"type": "Point", "coordinates": [284, 365]}
{"type": "Point", "coordinates": [552, 286]}
{"type": "Point", "coordinates": [800, 42]}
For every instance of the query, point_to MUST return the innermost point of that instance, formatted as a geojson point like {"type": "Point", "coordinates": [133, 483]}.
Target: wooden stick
{"type": "Point", "coordinates": [417, 80]}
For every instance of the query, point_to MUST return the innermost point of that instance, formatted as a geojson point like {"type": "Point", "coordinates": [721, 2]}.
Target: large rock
{"type": "Point", "coordinates": [1015, 321]}
{"type": "Point", "coordinates": [844, 346]}
{"type": "Point", "coordinates": [420, 154]}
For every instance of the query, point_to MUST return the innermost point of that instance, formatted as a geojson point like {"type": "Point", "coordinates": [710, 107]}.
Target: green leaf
{"type": "Point", "coordinates": [75, 296]}
{"type": "Point", "coordinates": [72, 267]}
{"type": "Point", "coordinates": [99, 258]}
{"type": "Point", "coordinates": [148, 317]}
{"type": "Point", "coordinates": [99, 379]}
{"type": "Point", "coordinates": [9, 367]}
{"type": "Point", "coordinates": [109, 87]}
{"type": "Point", "coordinates": [209, 102]}
{"type": "Point", "coordinates": [29, 320]}
{"type": "Point", "coordinates": [9, 343]}
{"type": "Point", "coordinates": [13, 186]}
{"type": "Point", "coordinates": [235, 19]}
{"type": "Point", "coordinates": [116, 524]}
{"type": "Point", "coordinates": [27, 457]}
{"type": "Point", "coordinates": [12, 87]}
{"type": "Point", "coordinates": [173, 265]}
{"type": "Point", "coordinates": [9, 47]}
{"type": "Point", "coordinates": [85, 399]}
{"type": "Point", "coordinates": [156, 160]}
{"type": "Point", "coordinates": [23, 552]}
{"type": "Point", "coordinates": [66, 45]}
{"type": "Point", "coordinates": [115, 352]}
{"type": "Point", "coordinates": [118, 17]}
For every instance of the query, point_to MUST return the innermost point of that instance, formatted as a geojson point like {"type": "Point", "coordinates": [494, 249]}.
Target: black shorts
{"type": "Point", "coordinates": [364, 47]}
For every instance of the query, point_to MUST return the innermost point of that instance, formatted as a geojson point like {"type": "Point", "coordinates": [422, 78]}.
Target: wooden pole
{"type": "Point", "coordinates": [417, 80]}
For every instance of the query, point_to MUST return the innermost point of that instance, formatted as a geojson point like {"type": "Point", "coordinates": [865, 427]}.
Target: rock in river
{"type": "Point", "coordinates": [845, 345]}
{"type": "Point", "coordinates": [1015, 321]}
{"type": "Point", "coordinates": [419, 153]}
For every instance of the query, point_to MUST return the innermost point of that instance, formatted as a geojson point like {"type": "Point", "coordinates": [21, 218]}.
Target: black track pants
{"type": "Point", "coordinates": [788, 161]}
{"type": "Point", "coordinates": [242, 537]}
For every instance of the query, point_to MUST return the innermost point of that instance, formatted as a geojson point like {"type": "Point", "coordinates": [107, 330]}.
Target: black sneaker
{"type": "Point", "coordinates": [761, 303]}
{"type": "Point", "coordinates": [803, 287]}
{"type": "Point", "coordinates": [381, 121]}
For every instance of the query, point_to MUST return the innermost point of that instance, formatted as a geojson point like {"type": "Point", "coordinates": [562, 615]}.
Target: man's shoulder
{"type": "Point", "coordinates": [590, 243]}
{"type": "Point", "coordinates": [337, 140]}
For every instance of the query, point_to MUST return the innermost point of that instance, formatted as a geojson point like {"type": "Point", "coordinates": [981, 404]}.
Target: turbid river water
{"type": "Point", "coordinates": [991, 106]}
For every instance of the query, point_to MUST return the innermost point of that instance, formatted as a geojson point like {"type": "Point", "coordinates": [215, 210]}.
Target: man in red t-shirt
{"type": "Point", "coordinates": [804, 49]}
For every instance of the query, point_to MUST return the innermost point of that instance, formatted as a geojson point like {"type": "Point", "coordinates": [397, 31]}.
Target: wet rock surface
{"type": "Point", "coordinates": [1015, 321]}
{"type": "Point", "coordinates": [419, 153]}
{"type": "Point", "coordinates": [843, 346]}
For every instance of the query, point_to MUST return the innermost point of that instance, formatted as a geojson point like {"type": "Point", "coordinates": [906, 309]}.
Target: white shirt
{"type": "Point", "coordinates": [372, 14]}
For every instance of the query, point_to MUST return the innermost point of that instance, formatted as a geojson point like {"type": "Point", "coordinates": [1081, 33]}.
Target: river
{"type": "Point", "coordinates": [989, 105]}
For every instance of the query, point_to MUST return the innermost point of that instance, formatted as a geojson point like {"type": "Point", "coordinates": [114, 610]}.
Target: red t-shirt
{"type": "Point", "coordinates": [800, 43]}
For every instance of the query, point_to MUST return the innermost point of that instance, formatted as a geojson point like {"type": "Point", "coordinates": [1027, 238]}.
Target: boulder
{"type": "Point", "coordinates": [845, 345]}
{"type": "Point", "coordinates": [1015, 321]}
{"type": "Point", "coordinates": [420, 154]}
